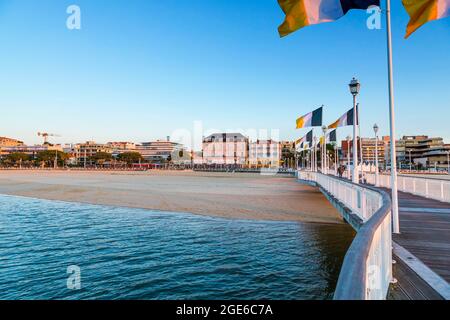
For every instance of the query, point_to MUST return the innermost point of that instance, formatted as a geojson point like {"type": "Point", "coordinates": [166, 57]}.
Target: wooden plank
{"type": "Point", "coordinates": [425, 232]}
{"type": "Point", "coordinates": [410, 286]}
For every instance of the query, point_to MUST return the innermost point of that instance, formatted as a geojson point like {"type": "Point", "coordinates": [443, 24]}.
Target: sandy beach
{"type": "Point", "coordinates": [229, 195]}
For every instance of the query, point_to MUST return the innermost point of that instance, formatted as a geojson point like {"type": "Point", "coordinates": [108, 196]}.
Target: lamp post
{"type": "Point", "coordinates": [377, 177]}
{"type": "Point", "coordinates": [348, 157]}
{"type": "Point", "coordinates": [324, 152]}
{"type": "Point", "coordinates": [354, 90]}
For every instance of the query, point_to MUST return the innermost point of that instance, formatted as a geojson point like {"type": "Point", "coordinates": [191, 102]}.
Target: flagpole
{"type": "Point", "coordinates": [315, 154]}
{"type": "Point", "coordinates": [360, 147]}
{"type": "Point", "coordinates": [395, 218]}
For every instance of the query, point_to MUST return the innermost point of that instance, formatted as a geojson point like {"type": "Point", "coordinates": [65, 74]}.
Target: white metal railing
{"type": "Point", "coordinates": [367, 270]}
{"type": "Point", "coordinates": [426, 187]}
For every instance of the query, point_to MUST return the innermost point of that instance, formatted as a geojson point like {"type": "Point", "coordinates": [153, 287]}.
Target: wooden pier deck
{"type": "Point", "coordinates": [425, 233]}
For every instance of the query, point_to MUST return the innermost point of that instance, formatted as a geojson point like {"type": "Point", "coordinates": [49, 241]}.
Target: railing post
{"type": "Point", "coordinates": [414, 185]}
{"type": "Point", "coordinates": [442, 191]}
{"type": "Point", "coordinates": [426, 188]}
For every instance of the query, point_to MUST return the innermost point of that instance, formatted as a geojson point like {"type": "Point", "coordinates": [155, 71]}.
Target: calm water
{"type": "Point", "coordinates": [139, 254]}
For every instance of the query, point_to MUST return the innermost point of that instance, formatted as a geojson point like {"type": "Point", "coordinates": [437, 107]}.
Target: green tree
{"type": "Point", "coordinates": [48, 157]}
{"type": "Point", "coordinates": [130, 157]}
{"type": "Point", "coordinates": [16, 158]}
{"type": "Point", "coordinates": [287, 156]}
{"type": "Point", "coordinates": [101, 157]}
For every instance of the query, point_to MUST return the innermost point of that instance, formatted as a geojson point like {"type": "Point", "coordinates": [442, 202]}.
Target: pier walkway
{"type": "Point", "coordinates": [423, 257]}
{"type": "Point", "coordinates": [414, 264]}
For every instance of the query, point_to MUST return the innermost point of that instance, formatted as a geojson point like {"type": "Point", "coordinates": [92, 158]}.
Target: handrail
{"type": "Point", "coordinates": [438, 189]}
{"type": "Point", "coordinates": [367, 269]}
{"type": "Point", "coordinates": [352, 282]}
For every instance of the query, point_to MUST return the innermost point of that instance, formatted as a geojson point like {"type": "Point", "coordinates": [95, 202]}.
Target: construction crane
{"type": "Point", "coordinates": [45, 135]}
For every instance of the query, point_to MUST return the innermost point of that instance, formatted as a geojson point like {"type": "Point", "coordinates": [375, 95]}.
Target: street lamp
{"type": "Point", "coordinates": [324, 151]}
{"type": "Point", "coordinates": [375, 129]}
{"type": "Point", "coordinates": [354, 90]}
{"type": "Point", "coordinates": [348, 157]}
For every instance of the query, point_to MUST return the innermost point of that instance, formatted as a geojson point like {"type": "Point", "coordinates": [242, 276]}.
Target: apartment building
{"type": "Point", "coordinates": [264, 154]}
{"type": "Point", "coordinates": [226, 149]}
{"type": "Point", "coordinates": [121, 147]}
{"type": "Point", "coordinates": [8, 142]}
{"type": "Point", "coordinates": [419, 151]}
{"type": "Point", "coordinates": [367, 148]}
{"type": "Point", "coordinates": [84, 151]}
{"type": "Point", "coordinates": [162, 151]}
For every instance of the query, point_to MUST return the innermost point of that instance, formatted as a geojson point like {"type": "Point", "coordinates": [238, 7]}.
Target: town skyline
{"type": "Point", "coordinates": [97, 84]}
{"type": "Point", "coordinates": [232, 149]}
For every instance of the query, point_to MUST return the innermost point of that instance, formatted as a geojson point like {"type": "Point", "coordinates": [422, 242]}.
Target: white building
{"type": "Point", "coordinates": [265, 153]}
{"type": "Point", "coordinates": [161, 151]}
{"type": "Point", "coordinates": [225, 149]}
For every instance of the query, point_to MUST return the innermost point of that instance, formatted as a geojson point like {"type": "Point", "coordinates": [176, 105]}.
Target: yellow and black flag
{"type": "Point", "coordinates": [302, 13]}
{"type": "Point", "coordinates": [345, 120]}
{"type": "Point", "coordinates": [312, 119]}
{"type": "Point", "coordinates": [332, 136]}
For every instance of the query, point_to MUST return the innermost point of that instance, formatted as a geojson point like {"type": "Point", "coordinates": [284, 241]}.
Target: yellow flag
{"type": "Point", "coordinates": [423, 11]}
{"type": "Point", "coordinates": [296, 16]}
{"type": "Point", "coordinates": [334, 125]}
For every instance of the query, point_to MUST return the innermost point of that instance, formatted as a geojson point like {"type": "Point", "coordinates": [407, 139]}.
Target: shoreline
{"type": "Point", "coordinates": [211, 216]}
{"type": "Point", "coordinates": [223, 195]}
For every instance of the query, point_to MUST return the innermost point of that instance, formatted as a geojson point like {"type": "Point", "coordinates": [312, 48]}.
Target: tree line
{"type": "Point", "coordinates": [47, 159]}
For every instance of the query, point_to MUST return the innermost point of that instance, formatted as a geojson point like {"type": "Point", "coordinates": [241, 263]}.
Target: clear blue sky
{"type": "Point", "coordinates": [138, 70]}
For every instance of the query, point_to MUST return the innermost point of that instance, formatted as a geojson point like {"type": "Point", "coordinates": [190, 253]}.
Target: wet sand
{"type": "Point", "coordinates": [228, 195]}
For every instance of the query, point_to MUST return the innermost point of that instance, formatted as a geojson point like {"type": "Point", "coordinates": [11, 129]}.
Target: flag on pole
{"type": "Point", "coordinates": [332, 136]}
{"type": "Point", "coordinates": [312, 119]}
{"type": "Point", "coordinates": [423, 11]}
{"type": "Point", "coordinates": [345, 120]}
{"type": "Point", "coordinates": [309, 138]}
{"type": "Point", "coordinates": [304, 140]}
{"type": "Point", "coordinates": [302, 13]}
{"type": "Point", "coordinates": [300, 141]}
